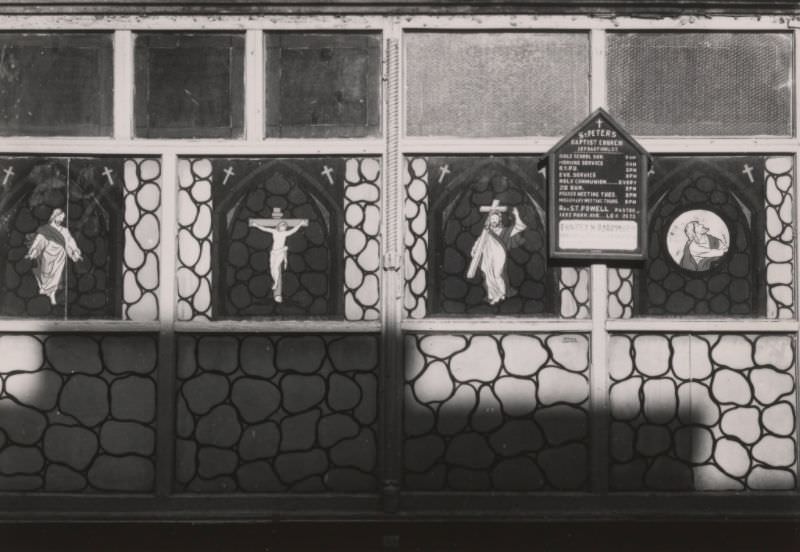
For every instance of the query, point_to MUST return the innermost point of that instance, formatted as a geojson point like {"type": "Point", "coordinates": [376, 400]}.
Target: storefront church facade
{"type": "Point", "coordinates": [316, 260]}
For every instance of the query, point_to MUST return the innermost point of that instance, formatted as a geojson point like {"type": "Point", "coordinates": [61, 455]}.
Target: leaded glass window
{"type": "Point", "coordinates": [279, 237]}
{"type": "Point", "coordinates": [79, 237]}
{"type": "Point", "coordinates": [720, 240]}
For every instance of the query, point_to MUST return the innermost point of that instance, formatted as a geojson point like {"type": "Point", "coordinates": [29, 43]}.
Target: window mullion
{"type": "Point", "coordinates": [254, 86]}
{"type": "Point", "coordinates": [391, 377]}
{"type": "Point", "coordinates": [123, 85]}
{"type": "Point", "coordinates": [167, 303]}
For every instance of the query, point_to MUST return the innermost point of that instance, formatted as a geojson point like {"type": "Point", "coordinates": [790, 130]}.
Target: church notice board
{"type": "Point", "coordinates": [597, 193]}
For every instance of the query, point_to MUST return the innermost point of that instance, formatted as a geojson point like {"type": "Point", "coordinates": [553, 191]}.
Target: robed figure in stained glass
{"type": "Point", "coordinates": [51, 246]}
{"type": "Point", "coordinates": [489, 252]}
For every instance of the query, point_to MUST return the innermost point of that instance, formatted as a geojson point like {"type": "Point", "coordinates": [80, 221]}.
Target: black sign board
{"type": "Point", "coordinates": [597, 193]}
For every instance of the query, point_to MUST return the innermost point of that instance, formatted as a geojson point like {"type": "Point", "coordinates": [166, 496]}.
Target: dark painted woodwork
{"type": "Point", "coordinates": [217, 7]}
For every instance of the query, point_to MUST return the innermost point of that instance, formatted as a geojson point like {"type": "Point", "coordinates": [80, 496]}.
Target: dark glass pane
{"type": "Point", "coordinates": [708, 84]}
{"type": "Point", "coordinates": [706, 240]}
{"type": "Point", "coordinates": [323, 85]}
{"type": "Point", "coordinates": [475, 269]}
{"type": "Point", "coordinates": [56, 85]}
{"type": "Point", "coordinates": [277, 413]}
{"type": "Point", "coordinates": [496, 84]}
{"type": "Point", "coordinates": [78, 413]}
{"type": "Point", "coordinates": [189, 85]}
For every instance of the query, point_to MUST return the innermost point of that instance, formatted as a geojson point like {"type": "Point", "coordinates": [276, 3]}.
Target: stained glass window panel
{"type": "Point", "coordinates": [706, 239]}
{"type": "Point", "coordinates": [189, 86]}
{"type": "Point", "coordinates": [279, 237]}
{"type": "Point", "coordinates": [495, 84]}
{"type": "Point", "coordinates": [79, 237]}
{"type": "Point", "coordinates": [701, 84]}
{"type": "Point", "coordinates": [485, 230]}
{"type": "Point", "coordinates": [56, 84]}
{"type": "Point", "coordinates": [323, 85]}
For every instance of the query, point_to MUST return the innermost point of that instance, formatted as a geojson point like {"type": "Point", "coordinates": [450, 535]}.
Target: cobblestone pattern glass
{"type": "Point", "coordinates": [362, 244]}
{"type": "Point", "coordinates": [416, 238]}
{"type": "Point", "coordinates": [780, 237]}
{"type": "Point", "coordinates": [705, 412]}
{"type": "Point", "coordinates": [269, 413]}
{"type": "Point", "coordinates": [77, 413]}
{"type": "Point", "coordinates": [496, 413]}
{"type": "Point", "coordinates": [194, 239]}
{"type": "Point", "coordinates": [140, 272]}
{"type": "Point", "coordinates": [620, 292]}
{"type": "Point", "coordinates": [574, 284]}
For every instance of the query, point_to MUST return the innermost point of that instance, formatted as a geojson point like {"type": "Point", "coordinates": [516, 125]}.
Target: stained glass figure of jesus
{"type": "Point", "coordinates": [489, 253]}
{"type": "Point", "coordinates": [51, 246]}
{"type": "Point", "coordinates": [280, 229]}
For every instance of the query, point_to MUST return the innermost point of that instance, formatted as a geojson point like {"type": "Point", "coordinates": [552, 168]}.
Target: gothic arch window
{"type": "Point", "coordinates": [311, 275]}
{"type": "Point", "coordinates": [88, 285]}
{"type": "Point", "coordinates": [706, 238]}
{"type": "Point", "coordinates": [457, 223]}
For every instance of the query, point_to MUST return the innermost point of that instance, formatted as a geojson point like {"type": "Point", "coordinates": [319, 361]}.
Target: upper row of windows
{"type": "Point", "coordinates": [464, 84]}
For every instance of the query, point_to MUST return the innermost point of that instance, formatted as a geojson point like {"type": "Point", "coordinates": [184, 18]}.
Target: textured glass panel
{"type": "Point", "coordinates": [274, 413]}
{"type": "Point", "coordinates": [496, 84]}
{"type": "Point", "coordinates": [496, 413]}
{"type": "Point", "coordinates": [702, 412]}
{"type": "Point", "coordinates": [189, 85]}
{"type": "Point", "coordinates": [55, 85]}
{"type": "Point", "coordinates": [77, 413]}
{"type": "Point", "coordinates": [323, 85]}
{"type": "Point", "coordinates": [701, 83]}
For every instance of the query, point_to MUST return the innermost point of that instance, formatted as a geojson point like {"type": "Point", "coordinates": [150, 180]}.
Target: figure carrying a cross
{"type": "Point", "coordinates": [280, 229]}
{"type": "Point", "coordinates": [489, 252]}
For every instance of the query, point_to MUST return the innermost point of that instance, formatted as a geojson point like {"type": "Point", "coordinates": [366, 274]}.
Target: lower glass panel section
{"type": "Point", "coordinates": [277, 413]}
{"type": "Point", "coordinates": [702, 412]}
{"type": "Point", "coordinates": [77, 413]}
{"type": "Point", "coordinates": [496, 413]}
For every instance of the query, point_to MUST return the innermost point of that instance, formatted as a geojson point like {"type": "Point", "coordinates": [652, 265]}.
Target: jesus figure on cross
{"type": "Point", "coordinates": [489, 252]}
{"type": "Point", "coordinates": [280, 229]}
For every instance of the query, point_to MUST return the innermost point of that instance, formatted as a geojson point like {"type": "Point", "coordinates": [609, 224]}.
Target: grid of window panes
{"type": "Point", "coordinates": [266, 235]}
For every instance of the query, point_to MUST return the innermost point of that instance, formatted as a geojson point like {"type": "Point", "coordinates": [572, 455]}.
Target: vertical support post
{"type": "Point", "coordinates": [796, 106]}
{"type": "Point", "coordinates": [598, 378]}
{"type": "Point", "coordinates": [123, 85]}
{"type": "Point", "coordinates": [391, 389]}
{"type": "Point", "coordinates": [165, 380]}
{"type": "Point", "coordinates": [597, 74]}
{"type": "Point", "coordinates": [254, 86]}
